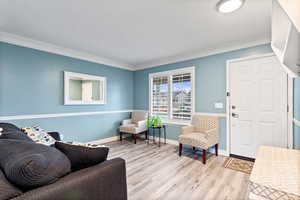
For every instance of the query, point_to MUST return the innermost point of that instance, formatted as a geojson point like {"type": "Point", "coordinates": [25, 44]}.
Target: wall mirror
{"type": "Point", "coordinates": [83, 89]}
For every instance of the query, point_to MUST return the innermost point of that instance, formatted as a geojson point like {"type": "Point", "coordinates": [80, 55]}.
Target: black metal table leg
{"type": "Point", "coordinates": [165, 134]}
{"type": "Point", "coordinates": [159, 136]}
{"type": "Point", "coordinates": [153, 133]}
{"type": "Point", "coordinates": [147, 136]}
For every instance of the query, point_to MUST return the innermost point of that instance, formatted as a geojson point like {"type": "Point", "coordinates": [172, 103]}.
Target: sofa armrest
{"type": "Point", "coordinates": [105, 181]}
{"type": "Point", "coordinates": [55, 135]}
{"type": "Point", "coordinates": [127, 121]}
{"type": "Point", "coordinates": [187, 129]}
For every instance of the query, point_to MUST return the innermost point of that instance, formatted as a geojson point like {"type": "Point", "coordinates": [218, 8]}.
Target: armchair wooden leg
{"type": "Point", "coordinates": [121, 136]}
{"type": "Point", "coordinates": [204, 156]}
{"type": "Point", "coordinates": [216, 149]}
{"type": "Point", "coordinates": [180, 149]}
{"type": "Point", "coordinates": [134, 138]}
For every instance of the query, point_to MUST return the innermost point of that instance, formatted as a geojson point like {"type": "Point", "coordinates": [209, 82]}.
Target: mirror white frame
{"type": "Point", "coordinates": [71, 75]}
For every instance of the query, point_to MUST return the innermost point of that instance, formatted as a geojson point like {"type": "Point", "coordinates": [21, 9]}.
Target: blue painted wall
{"type": "Point", "coordinates": [31, 82]}
{"type": "Point", "coordinates": [210, 84]}
{"type": "Point", "coordinates": [297, 112]}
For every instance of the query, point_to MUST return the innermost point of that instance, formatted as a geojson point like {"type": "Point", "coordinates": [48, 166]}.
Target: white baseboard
{"type": "Point", "coordinates": [106, 140]}
{"type": "Point", "coordinates": [168, 141]}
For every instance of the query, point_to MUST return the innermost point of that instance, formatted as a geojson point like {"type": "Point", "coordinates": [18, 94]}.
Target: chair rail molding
{"type": "Point", "coordinates": [296, 122]}
{"type": "Point", "coordinates": [53, 115]}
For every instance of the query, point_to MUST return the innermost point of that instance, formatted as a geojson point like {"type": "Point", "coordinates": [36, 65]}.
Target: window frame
{"type": "Point", "coordinates": [69, 75]}
{"type": "Point", "coordinates": [170, 74]}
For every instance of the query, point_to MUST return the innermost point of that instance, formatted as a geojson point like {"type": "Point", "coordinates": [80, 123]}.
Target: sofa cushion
{"type": "Point", "coordinates": [8, 191]}
{"type": "Point", "coordinates": [10, 131]}
{"type": "Point", "coordinates": [8, 127]}
{"type": "Point", "coordinates": [29, 165]}
{"type": "Point", "coordinates": [15, 135]}
{"type": "Point", "coordinates": [83, 155]}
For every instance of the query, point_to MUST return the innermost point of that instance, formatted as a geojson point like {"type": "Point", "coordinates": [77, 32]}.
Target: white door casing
{"type": "Point", "coordinates": [258, 101]}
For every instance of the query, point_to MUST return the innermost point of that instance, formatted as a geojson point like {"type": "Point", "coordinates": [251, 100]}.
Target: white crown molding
{"type": "Point", "coordinates": [44, 46]}
{"type": "Point", "coordinates": [204, 53]}
{"type": "Point", "coordinates": [54, 115]}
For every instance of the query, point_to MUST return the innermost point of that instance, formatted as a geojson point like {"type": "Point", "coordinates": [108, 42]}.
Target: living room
{"type": "Point", "coordinates": [173, 99]}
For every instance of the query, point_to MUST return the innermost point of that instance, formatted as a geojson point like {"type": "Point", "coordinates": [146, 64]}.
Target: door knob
{"type": "Point", "coordinates": [235, 115]}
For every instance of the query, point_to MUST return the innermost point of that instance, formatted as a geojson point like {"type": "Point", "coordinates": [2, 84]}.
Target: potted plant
{"type": "Point", "coordinates": [154, 121]}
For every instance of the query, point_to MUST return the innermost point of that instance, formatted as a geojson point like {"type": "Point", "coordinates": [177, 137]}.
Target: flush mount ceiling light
{"type": "Point", "coordinates": [228, 6]}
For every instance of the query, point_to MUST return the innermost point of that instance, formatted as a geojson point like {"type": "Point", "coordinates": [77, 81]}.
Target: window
{"type": "Point", "coordinates": [172, 94]}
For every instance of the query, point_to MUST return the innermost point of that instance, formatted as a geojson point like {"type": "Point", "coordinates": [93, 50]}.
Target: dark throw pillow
{"type": "Point", "coordinates": [10, 131]}
{"type": "Point", "coordinates": [83, 156]}
{"type": "Point", "coordinates": [15, 135]}
{"type": "Point", "coordinates": [29, 165]}
{"type": "Point", "coordinates": [8, 191]}
{"type": "Point", "coordinates": [8, 127]}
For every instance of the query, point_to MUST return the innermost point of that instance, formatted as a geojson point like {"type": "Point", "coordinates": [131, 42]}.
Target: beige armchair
{"type": "Point", "coordinates": [136, 125]}
{"type": "Point", "coordinates": [202, 133]}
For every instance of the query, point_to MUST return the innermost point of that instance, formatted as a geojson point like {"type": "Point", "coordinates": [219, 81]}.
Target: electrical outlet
{"type": "Point", "coordinates": [218, 105]}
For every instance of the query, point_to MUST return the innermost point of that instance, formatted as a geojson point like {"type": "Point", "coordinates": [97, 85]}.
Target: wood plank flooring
{"type": "Point", "coordinates": [159, 173]}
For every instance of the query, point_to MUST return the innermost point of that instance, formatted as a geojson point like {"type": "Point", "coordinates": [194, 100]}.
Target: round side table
{"type": "Point", "coordinates": [159, 131]}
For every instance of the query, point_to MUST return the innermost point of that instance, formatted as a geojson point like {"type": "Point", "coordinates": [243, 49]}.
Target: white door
{"type": "Point", "coordinates": [258, 105]}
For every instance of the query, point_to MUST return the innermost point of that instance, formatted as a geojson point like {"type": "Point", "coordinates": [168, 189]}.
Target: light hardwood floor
{"type": "Point", "coordinates": [159, 173]}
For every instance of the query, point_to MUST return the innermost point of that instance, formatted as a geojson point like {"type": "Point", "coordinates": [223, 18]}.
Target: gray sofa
{"type": "Point", "coordinates": [104, 181]}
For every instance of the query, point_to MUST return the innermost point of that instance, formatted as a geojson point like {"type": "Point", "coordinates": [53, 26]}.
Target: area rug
{"type": "Point", "coordinates": [239, 165]}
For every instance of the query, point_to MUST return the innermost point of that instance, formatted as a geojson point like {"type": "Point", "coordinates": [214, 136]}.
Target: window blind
{"type": "Point", "coordinates": [182, 96]}
{"type": "Point", "coordinates": [160, 96]}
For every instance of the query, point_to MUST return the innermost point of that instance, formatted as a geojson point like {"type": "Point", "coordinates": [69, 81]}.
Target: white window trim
{"type": "Point", "coordinates": [170, 73]}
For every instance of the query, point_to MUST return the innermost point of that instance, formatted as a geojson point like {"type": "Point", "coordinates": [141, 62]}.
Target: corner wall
{"type": "Point", "coordinates": [210, 85]}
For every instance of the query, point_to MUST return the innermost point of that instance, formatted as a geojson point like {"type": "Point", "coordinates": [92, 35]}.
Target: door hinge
{"type": "Point", "coordinates": [228, 94]}
{"type": "Point", "coordinates": [287, 108]}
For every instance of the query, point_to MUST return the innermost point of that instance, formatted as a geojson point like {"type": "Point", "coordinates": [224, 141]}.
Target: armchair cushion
{"type": "Point", "coordinates": [195, 139]}
{"type": "Point", "coordinates": [142, 124]}
{"type": "Point", "coordinates": [132, 128]}
{"type": "Point", "coordinates": [126, 122]}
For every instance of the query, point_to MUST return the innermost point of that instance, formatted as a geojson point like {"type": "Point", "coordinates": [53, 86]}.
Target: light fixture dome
{"type": "Point", "coordinates": [228, 6]}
